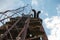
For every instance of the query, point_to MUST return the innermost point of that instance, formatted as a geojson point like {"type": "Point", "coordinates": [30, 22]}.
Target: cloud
{"type": "Point", "coordinates": [10, 4]}
{"type": "Point", "coordinates": [58, 9]}
{"type": "Point", "coordinates": [46, 14]}
{"type": "Point", "coordinates": [43, 12]}
{"type": "Point", "coordinates": [35, 2]}
{"type": "Point", "coordinates": [53, 23]}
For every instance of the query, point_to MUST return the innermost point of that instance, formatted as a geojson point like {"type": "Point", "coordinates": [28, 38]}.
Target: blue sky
{"type": "Point", "coordinates": [50, 13]}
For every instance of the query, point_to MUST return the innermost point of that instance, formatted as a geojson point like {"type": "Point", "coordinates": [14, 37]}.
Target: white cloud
{"type": "Point", "coordinates": [42, 11]}
{"type": "Point", "coordinates": [35, 2]}
{"type": "Point", "coordinates": [10, 4]}
{"type": "Point", "coordinates": [46, 14]}
{"type": "Point", "coordinates": [53, 23]}
{"type": "Point", "coordinates": [58, 9]}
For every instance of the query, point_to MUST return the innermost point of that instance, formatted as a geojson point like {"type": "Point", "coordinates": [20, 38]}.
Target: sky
{"type": "Point", "coordinates": [50, 13]}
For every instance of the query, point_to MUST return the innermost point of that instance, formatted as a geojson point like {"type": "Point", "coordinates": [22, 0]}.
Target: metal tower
{"type": "Point", "coordinates": [23, 27]}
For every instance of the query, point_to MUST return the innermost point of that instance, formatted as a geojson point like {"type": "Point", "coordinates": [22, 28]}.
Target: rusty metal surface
{"type": "Point", "coordinates": [10, 28]}
{"type": "Point", "coordinates": [23, 32]}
